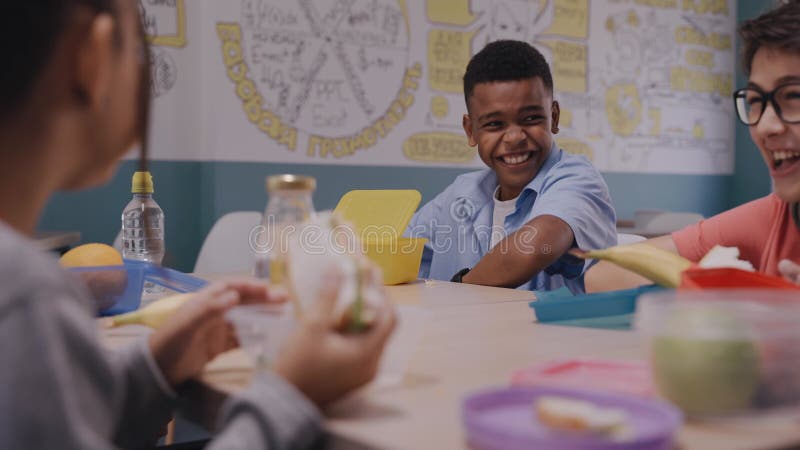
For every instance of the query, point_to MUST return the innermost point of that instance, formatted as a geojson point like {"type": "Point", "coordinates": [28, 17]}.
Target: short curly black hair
{"type": "Point", "coordinates": [506, 60]}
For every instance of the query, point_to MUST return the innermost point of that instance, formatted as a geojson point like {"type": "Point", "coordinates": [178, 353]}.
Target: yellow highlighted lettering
{"type": "Point", "coordinates": [571, 19]}
{"type": "Point", "coordinates": [706, 6]}
{"type": "Point", "coordinates": [450, 12]}
{"type": "Point", "coordinates": [699, 58]}
{"type": "Point", "coordinates": [438, 147]}
{"type": "Point", "coordinates": [252, 102]}
{"type": "Point", "coordinates": [569, 65]}
{"type": "Point", "coordinates": [577, 147]}
{"type": "Point", "coordinates": [686, 80]}
{"type": "Point", "coordinates": [688, 35]}
{"type": "Point", "coordinates": [664, 4]}
{"type": "Point", "coordinates": [623, 108]}
{"type": "Point", "coordinates": [448, 55]}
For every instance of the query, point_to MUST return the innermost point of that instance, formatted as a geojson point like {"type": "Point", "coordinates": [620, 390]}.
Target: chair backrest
{"type": "Point", "coordinates": [227, 248]}
{"type": "Point", "coordinates": [626, 238]}
{"type": "Point", "coordinates": [667, 222]}
{"type": "Point", "coordinates": [118, 241]}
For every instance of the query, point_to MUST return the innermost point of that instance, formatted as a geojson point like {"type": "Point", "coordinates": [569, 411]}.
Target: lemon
{"type": "Point", "coordinates": [90, 255]}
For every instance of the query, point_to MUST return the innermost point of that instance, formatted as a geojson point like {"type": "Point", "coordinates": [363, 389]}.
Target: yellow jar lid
{"type": "Point", "coordinates": [142, 183]}
{"type": "Point", "coordinates": [291, 182]}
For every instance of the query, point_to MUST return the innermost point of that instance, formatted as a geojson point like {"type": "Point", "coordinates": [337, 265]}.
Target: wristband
{"type": "Point", "coordinates": [459, 275]}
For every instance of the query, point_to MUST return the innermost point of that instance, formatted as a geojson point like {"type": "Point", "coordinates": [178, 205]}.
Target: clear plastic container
{"type": "Point", "coordinates": [412, 325]}
{"type": "Point", "coordinates": [724, 353]}
{"type": "Point", "coordinates": [262, 330]}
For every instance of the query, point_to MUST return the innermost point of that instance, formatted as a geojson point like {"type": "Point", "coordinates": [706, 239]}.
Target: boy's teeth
{"type": "Point", "coordinates": [780, 156]}
{"type": "Point", "coordinates": [516, 159]}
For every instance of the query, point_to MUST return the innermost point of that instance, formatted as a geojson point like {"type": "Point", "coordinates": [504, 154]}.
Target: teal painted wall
{"type": "Point", "coordinates": [751, 178]}
{"type": "Point", "coordinates": [194, 194]}
{"type": "Point", "coordinates": [96, 213]}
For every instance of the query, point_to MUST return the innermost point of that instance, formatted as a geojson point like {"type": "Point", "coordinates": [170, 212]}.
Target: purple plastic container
{"type": "Point", "coordinates": [504, 419]}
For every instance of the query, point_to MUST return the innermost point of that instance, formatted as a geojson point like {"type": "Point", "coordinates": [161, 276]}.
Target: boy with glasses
{"type": "Point", "coordinates": [766, 230]}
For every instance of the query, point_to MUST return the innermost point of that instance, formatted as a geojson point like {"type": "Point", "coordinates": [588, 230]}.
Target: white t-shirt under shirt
{"type": "Point", "coordinates": [502, 208]}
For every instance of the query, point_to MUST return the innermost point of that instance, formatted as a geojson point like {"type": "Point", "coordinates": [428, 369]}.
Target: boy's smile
{"type": "Point", "coordinates": [778, 141]}
{"type": "Point", "coordinates": [512, 123]}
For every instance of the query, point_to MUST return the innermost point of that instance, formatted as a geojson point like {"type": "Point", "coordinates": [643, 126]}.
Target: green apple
{"type": "Point", "coordinates": [706, 373]}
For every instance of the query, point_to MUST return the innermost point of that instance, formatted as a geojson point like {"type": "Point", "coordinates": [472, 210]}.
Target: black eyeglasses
{"type": "Point", "coordinates": [752, 102]}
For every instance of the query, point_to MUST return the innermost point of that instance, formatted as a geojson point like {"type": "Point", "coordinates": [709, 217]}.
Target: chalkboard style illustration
{"type": "Point", "coordinates": [164, 71]}
{"type": "Point", "coordinates": [335, 74]}
{"type": "Point", "coordinates": [164, 22]}
{"type": "Point", "coordinates": [662, 87]}
{"type": "Point", "coordinates": [643, 85]}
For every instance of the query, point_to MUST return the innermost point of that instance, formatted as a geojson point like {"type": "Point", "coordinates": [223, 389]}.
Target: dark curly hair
{"type": "Point", "coordinates": [506, 60]}
{"type": "Point", "coordinates": [778, 28]}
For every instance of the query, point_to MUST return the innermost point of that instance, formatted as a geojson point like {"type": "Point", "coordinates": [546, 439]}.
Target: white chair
{"type": "Point", "coordinates": [118, 242]}
{"type": "Point", "coordinates": [667, 222]}
{"type": "Point", "coordinates": [227, 247]}
{"type": "Point", "coordinates": [626, 238]}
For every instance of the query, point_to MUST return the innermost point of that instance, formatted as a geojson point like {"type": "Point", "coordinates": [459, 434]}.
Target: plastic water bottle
{"type": "Point", "coordinates": [143, 223]}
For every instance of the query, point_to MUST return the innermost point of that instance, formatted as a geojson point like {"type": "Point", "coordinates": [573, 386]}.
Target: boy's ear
{"type": "Point", "coordinates": [556, 116]}
{"type": "Point", "coordinates": [94, 61]}
{"type": "Point", "coordinates": [467, 124]}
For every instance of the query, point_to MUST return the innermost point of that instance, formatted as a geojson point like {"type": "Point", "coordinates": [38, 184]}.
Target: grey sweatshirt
{"type": "Point", "coordinates": [60, 389]}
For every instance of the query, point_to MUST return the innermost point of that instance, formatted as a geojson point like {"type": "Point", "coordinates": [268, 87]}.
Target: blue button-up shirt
{"type": "Point", "coordinates": [458, 222]}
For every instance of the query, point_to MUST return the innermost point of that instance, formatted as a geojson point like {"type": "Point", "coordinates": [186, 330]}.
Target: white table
{"type": "Point", "coordinates": [476, 338]}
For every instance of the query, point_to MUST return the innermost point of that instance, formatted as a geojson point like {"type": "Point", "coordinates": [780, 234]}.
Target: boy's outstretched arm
{"type": "Point", "coordinates": [607, 276]}
{"type": "Point", "coordinates": [524, 253]}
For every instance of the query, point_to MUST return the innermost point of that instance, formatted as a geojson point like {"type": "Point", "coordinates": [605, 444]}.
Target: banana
{"type": "Point", "coordinates": [153, 315]}
{"type": "Point", "coordinates": [660, 266]}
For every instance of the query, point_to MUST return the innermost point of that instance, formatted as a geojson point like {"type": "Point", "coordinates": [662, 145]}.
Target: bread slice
{"type": "Point", "coordinates": [579, 416]}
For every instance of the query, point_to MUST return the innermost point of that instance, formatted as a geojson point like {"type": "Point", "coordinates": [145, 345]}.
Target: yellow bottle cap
{"type": "Point", "coordinates": [142, 183]}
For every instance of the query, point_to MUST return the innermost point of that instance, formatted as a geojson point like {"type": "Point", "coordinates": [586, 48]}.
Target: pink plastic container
{"type": "Point", "coordinates": [626, 377]}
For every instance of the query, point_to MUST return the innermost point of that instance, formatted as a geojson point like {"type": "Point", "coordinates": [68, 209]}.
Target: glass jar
{"type": "Point", "coordinates": [290, 204]}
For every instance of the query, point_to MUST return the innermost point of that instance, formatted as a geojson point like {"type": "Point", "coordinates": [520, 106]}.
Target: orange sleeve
{"type": "Point", "coordinates": [746, 227]}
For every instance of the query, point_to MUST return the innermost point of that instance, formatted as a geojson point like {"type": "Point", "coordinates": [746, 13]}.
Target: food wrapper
{"type": "Point", "coordinates": [721, 257]}
{"type": "Point", "coordinates": [327, 245]}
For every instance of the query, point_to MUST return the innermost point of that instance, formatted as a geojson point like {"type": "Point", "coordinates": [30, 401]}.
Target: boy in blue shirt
{"type": "Point", "coordinates": [511, 224]}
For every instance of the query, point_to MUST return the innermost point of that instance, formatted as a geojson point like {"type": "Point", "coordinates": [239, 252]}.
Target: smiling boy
{"type": "Point", "coordinates": [766, 230]}
{"type": "Point", "coordinates": [510, 224]}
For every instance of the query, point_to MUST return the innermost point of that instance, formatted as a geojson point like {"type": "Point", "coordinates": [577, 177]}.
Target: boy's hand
{"type": "Point", "coordinates": [198, 331]}
{"type": "Point", "coordinates": [325, 364]}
